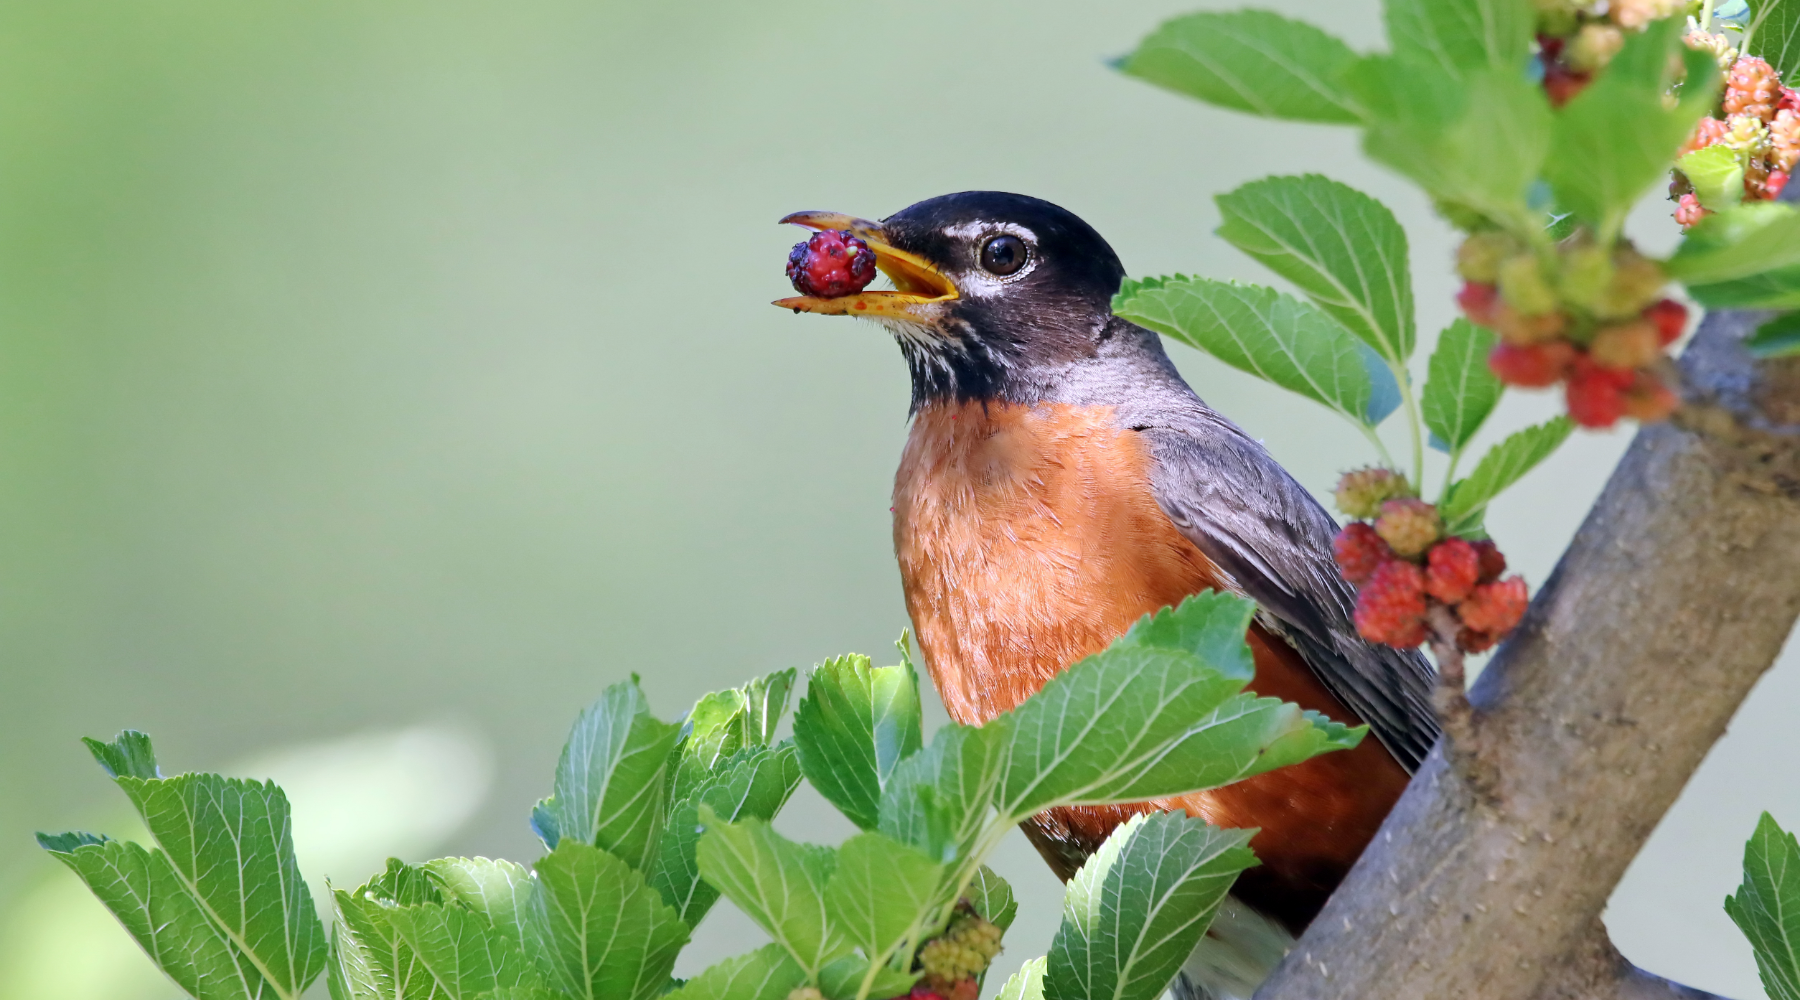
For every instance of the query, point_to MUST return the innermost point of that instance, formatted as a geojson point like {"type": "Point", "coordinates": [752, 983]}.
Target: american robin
{"type": "Point", "coordinates": [1061, 480]}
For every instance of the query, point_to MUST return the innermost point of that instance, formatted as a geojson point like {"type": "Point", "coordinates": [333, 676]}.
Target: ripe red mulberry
{"type": "Point", "coordinates": [1495, 607]}
{"type": "Point", "coordinates": [831, 264]}
{"type": "Point", "coordinates": [1391, 606]}
{"type": "Point", "coordinates": [1452, 568]}
{"type": "Point", "coordinates": [1359, 551]}
{"type": "Point", "coordinates": [1493, 561]}
{"type": "Point", "coordinates": [1534, 366]}
{"type": "Point", "coordinates": [1670, 318]}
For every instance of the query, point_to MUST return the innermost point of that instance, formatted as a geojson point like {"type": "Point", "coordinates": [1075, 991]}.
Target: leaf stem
{"type": "Point", "coordinates": [1381, 448]}
{"type": "Point", "coordinates": [1449, 477]}
{"type": "Point", "coordinates": [1706, 16]}
{"type": "Point", "coordinates": [1407, 400]}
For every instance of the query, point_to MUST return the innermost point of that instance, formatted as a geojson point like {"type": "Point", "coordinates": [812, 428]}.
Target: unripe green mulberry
{"type": "Point", "coordinates": [1636, 282]}
{"type": "Point", "coordinates": [1361, 492]}
{"type": "Point", "coordinates": [1587, 270]}
{"type": "Point", "coordinates": [1523, 287]}
{"type": "Point", "coordinates": [1748, 135]}
{"type": "Point", "coordinates": [1594, 46]}
{"type": "Point", "coordinates": [1479, 257]}
{"type": "Point", "coordinates": [965, 949]}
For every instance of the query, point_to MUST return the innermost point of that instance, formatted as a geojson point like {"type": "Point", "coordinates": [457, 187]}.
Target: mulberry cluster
{"type": "Point", "coordinates": [1758, 120]}
{"type": "Point", "coordinates": [1577, 38]}
{"type": "Point", "coordinates": [1593, 320]}
{"type": "Point", "coordinates": [1403, 563]}
{"type": "Point", "coordinates": [957, 956]}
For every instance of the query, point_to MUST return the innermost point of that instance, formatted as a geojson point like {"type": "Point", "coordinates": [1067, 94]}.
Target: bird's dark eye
{"type": "Point", "coordinates": [1003, 255]}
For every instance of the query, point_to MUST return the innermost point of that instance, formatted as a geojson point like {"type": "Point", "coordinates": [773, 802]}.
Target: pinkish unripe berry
{"type": "Point", "coordinates": [1409, 526]}
{"type": "Point", "coordinates": [1751, 88]}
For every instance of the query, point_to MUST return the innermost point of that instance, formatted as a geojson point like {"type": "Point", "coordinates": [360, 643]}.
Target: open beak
{"type": "Point", "coordinates": [917, 284]}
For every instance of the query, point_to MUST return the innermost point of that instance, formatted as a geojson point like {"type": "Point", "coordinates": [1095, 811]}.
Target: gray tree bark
{"type": "Point", "coordinates": [1678, 592]}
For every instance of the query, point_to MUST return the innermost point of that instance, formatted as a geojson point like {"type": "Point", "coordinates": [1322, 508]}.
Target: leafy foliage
{"type": "Point", "coordinates": [1777, 35]}
{"type": "Point", "coordinates": [1616, 139]}
{"type": "Point", "coordinates": [1250, 60]}
{"type": "Point", "coordinates": [1270, 335]}
{"type": "Point", "coordinates": [1340, 247]}
{"type": "Point", "coordinates": [1767, 907]}
{"type": "Point", "coordinates": [854, 727]}
{"type": "Point", "coordinates": [1500, 468]}
{"type": "Point", "coordinates": [218, 903]}
{"type": "Point", "coordinates": [1461, 390]}
{"type": "Point", "coordinates": [1139, 906]}
{"type": "Point", "coordinates": [1161, 712]}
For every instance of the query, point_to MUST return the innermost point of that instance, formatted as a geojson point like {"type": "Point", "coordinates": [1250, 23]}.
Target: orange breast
{"type": "Point", "coordinates": [1028, 538]}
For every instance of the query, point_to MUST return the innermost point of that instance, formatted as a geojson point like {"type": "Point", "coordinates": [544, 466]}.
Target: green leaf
{"type": "Point", "coordinates": [853, 728]}
{"type": "Point", "coordinates": [1501, 467]}
{"type": "Point", "coordinates": [608, 935]}
{"type": "Point", "coordinates": [992, 898]}
{"type": "Point", "coordinates": [1717, 176]}
{"type": "Point", "coordinates": [1250, 60]}
{"type": "Point", "coordinates": [1135, 722]}
{"type": "Point", "coordinates": [754, 784]}
{"type": "Point", "coordinates": [611, 783]}
{"type": "Point", "coordinates": [1461, 389]}
{"type": "Point", "coordinates": [1476, 144]}
{"type": "Point", "coordinates": [1616, 139]}
{"type": "Point", "coordinates": [1776, 37]}
{"type": "Point", "coordinates": [129, 755]}
{"type": "Point", "coordinates": [160, 911]}
{"type": "Point", "coordinates": [1462, 35]}
{"type": "Point", "coordinates": [404, 885]}
{"type": "Point", "coordinates": [498, 890]}
{"type": "Point", "coordinates": [1204, 624]}
{"type": "Point", "coordinates": [1779, 289]}
{"type": "Point", "coordinates": [1767, 907]}
{"type": "Point", "coordinates": [880, 889]}
{"type": "Point", "coordinates": [725, 722]}
{"type": "Point", "coordinates": [843, 979]}
{"type": "Point", "coordinates": [1341, 247]}
{"type": "Point", "coordinates": [1273, 336]}
{"type": "Point", "coordinates": [777, 883]}
{"type": "Point", "coordinates": [1027, 983]}
{"type": "Point", "coordinates": [370, 958]}
{"type": "Point", "coordinates": [1745, 241]}
{"type": "Point", "coordinates": [939, 799]}
{"type": "Point", "coordinates": [1139, 906]}
{"type": "Point", "coordinates": [461, 951]}
{"type": "Point", "coordinates": [229, 843]}
{"type": "Point", "coordinates": [768, 973]}
{"type": "Point", "coordinates": [1777, 338]}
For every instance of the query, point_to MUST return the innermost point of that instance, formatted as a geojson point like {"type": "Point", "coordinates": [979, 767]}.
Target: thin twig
{"type": "Point", "coordinates": [1451, 698]}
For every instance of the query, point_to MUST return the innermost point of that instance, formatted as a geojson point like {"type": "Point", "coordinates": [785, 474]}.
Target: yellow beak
{"type": "Point", "coordinates": [916, 282]}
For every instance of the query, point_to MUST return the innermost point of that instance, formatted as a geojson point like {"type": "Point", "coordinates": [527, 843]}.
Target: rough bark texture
{"type": "Point", "coordinates": [1675, 596]}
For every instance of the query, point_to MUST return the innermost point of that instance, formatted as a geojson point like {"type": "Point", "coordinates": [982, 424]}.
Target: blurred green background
{"type": "Point", "coordinates": [380, 381]}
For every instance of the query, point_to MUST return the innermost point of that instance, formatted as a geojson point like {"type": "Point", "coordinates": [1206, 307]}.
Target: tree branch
{"type": "Point", "coordinates": [1674, 597]}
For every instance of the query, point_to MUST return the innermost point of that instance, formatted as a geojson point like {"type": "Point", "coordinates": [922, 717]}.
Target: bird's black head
{"type": "Point", "coordinates": [992, 290]}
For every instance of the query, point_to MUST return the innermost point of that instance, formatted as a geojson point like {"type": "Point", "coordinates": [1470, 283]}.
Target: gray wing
{"type": "Point", "coordinates": [1232, 500]}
